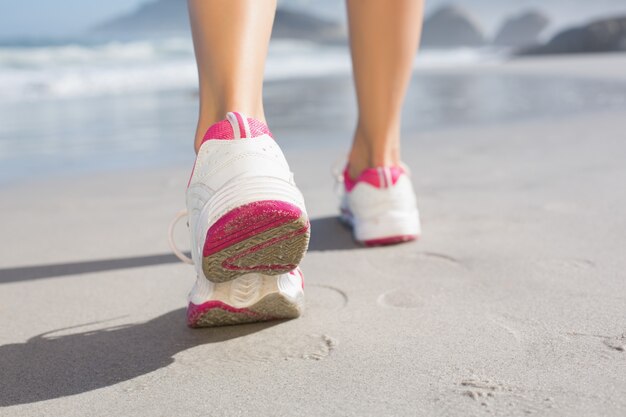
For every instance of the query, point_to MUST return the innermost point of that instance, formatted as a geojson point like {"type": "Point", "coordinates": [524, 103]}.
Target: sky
{"type": "Point", "coordinates": [38, 18]}
{"type": "Point", "coordinates": [65, 18]}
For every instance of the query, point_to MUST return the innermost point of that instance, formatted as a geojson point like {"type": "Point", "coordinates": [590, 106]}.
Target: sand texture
{"type": "Point", "coordinates": [512, 304]}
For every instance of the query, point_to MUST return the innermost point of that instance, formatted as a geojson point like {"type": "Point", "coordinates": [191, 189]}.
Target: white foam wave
{"type": "Point", "coordinates": [75, 70]}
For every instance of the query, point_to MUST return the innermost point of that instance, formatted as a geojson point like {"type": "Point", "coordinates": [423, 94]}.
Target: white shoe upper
{"type": "Point", "coordinates": [239, 165]}
{"type": "Point", "coordinates": [381, 206]}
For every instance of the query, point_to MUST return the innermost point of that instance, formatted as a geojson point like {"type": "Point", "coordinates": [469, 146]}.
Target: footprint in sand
{"type": "Point", "coordinates": [566, 265]}
{"type": "Point", "coordinates": [616, 343]}
{"type": "Point", "coordinates": [442, 257]}
{"type": "Point", "coordinates": [434, 259]}
{"type": "Point", "coordinates": [501, 399]}
{"type": "Point", "coordinates": [325, 297]}
{"type": "Point", "coordinates": [429, 264]}
{"type": "Point", "coordinates": [401, 298]}
{"type": "Point", "coordinates": [262, 347]}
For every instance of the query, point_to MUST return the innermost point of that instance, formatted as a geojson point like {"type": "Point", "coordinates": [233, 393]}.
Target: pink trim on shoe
{"type": "Point", "coordinates": [252, 219]}
{"type": "Point", "coordinates": [299, 273]}
{"type": "Point", "coordinates": [376, 177]}
{"type": "Point", "coordinates": [192, 171]}
{"type": "Point", "coordinates": [392, 240]}
{"type": "Point", "coordinates": [258, 128]}
{"type": "Point", "coordinates": [223, 130]}
{"type": "Point", "coordinates": [219, 130]}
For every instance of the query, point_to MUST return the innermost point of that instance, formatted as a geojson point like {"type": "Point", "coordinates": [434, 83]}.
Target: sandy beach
{"type": "Point", "coordinates": [512, 303]}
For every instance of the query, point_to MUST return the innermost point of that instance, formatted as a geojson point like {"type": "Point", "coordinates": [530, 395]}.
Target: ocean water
{"type": "Point", "coordinates": [75, 106]}
{"type": "Point", "coordinates": [83, 69]}
{"type": "Point", "coordinates": [70, 108]}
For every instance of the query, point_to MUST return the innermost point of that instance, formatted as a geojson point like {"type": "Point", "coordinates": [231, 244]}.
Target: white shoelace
{"type": "Point", "coordinates": [337, 172]}
{"type": "Point", "coordinates": [170, 236]}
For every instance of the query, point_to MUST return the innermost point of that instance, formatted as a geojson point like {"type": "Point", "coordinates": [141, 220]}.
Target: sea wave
{"type": "Point", "coordinates": [83, 70]}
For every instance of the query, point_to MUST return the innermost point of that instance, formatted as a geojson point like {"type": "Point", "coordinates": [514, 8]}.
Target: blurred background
{"type": "Point", "coordinates": [92, 86]}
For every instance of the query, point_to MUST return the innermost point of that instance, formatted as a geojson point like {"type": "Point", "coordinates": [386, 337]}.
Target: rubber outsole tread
{"type": "Point", "coordinates": [271, 252]}
{"type": "Point", "coordinates": [271, 307]}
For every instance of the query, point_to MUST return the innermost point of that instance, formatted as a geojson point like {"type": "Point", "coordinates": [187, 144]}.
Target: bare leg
{"type": "Point", "coordinates": [231, 38]}
{"type": "Point", "coordinates": [384, 37]}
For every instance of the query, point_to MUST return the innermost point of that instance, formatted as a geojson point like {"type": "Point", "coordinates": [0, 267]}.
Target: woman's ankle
{"type": "Point", "coordinates": [372, 152]}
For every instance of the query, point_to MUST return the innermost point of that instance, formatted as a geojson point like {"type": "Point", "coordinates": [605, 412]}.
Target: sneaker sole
{"type": "Point", "coordinates": [268, 237]}
{"type": "Point", "coordinates": [263, 299]}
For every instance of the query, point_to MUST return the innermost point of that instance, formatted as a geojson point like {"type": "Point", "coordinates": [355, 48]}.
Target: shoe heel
{"type": "Point", "coordinates": [268, 237]}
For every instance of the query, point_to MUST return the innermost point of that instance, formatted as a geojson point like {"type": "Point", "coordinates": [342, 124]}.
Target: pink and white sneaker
{"type": "Point", "coordinates": [245, 212]}
{"type": "Point", "coordinates": [248, 226]}
{"type": "Point", "coordinates": [250, 298]}
{"type": "Point", "coordinates": [380, 206]}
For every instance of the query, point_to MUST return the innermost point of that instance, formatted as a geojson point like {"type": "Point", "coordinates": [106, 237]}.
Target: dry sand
{"type": "Point", "coordinates": [513, 303]}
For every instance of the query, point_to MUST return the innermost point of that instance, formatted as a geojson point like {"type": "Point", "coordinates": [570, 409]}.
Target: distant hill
{"type": "Point", "coordinates": [154, 18]}
{"type": "Point", "coordinates": [168, 17]}
{"type": "Point", "coordinates": [604, 35]}
{"type": "Point", "coordinates": [452, 27]}
{"type": "Point", "coordinates": [492, 13]}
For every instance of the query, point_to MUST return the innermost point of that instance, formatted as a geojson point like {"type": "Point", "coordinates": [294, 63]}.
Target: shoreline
{"type": "Point", "coordinates": [439, 99]}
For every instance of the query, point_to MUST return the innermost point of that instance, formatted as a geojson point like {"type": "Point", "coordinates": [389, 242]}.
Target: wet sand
{"type": "Point", "coordinates": [513, 303]}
